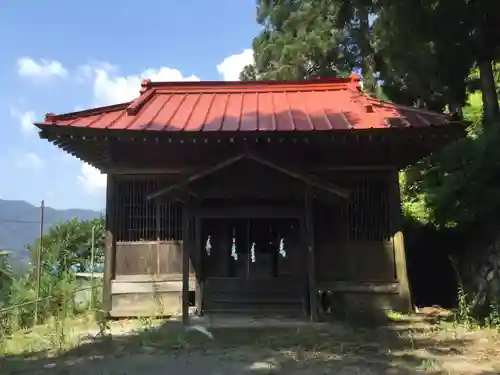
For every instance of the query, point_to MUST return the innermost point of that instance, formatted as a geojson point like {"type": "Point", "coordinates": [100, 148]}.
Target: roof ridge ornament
{"type": "Point", "coordinates": [145, 85]}
{"type": "Point", "coordinates": [139, 102]}
{"type": "Point", "coordinates": [355, 82]}
{"type": "Point", "coordinates": [50, 117]}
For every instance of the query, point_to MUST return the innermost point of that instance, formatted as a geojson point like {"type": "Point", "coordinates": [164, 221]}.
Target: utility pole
{"type": "Point", "coordinates": [92, 249]}
{"type": "Point", "coordinates": [39, 261]}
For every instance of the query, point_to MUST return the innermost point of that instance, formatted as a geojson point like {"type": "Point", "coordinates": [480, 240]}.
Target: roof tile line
{"type": "Point", "coordinates": [257, 117]}
{"type": "Point", "coordinates": [289, 111]}
{"type": "Point", "coordinates": [119, 117]}
{"type": "Point", "coordinates": [224, 112]}
{"type": "Point", "coordinates": [273, 115]}
{"type": "Point", "coordinates": [307, 115]}
{"type": "Point", "coordinates": [167, 126]}
{"type": "Point", "coordinates": [95, 120]}
{"type": "Point", "coordinates": [155, 116]}
{"type": "Point", "coordinates": [204, 123]}
{"type": "Point", "coordinates": [327, 119]}
{"type": "Point", "coordinates": [190, 114]}
{"type": "Point", "coordinates": [238, 126]}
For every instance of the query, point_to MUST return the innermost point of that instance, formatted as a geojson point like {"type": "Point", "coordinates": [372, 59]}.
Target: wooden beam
{"type": "Point", "coordinates": [260, 211]}
{"type": "Point", "coordinates": [146, 278]}
{"type": "Point", "coordinates": [313, 296]}
{"type": "Point", "coordinates": [309, 180]}
{"type": "Point", "coordinates": [179, 170]}
{"type": "Point", "coordinates": [110, 244]}
{"type": "Point", "coordinates": [196, 176]}
{"type": "Point", "coordinates": [141, 287]}
{"type": "Point", "coordinates": [360, 287]}
{"type": "Point", "coordinates": [298, 175]}
{"type": "Point", "coordinates": [148, 171]}
{"type": "Point", "coordinates": [186, 241]}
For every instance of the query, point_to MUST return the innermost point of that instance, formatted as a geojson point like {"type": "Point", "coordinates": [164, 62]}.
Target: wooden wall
{"type": "Point", "coordinates": [148, 278]}
{"type": "Point", "coordinates": [149, 258]}
{"type": "Point", "coordinates": [356, 258]}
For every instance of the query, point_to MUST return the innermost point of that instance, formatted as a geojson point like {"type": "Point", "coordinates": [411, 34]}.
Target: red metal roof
{"type": "Point", "coordinates": [312, 105]}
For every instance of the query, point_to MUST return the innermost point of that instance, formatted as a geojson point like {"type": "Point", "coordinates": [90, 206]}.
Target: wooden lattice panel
{"type": "Point", "coordinates": [140, 219]}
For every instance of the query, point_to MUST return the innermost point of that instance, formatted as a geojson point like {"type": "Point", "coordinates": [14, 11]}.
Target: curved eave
{"type": "Point", "coordinates": [94, 147]}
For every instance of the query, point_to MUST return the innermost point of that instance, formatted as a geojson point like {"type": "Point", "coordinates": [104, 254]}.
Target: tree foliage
{"type": "Point", "coordinates": [296, 42]}
{"type": "Point", "coordinates": [69, 244]}
{"type": "Point", "coordinates": [437, 54]}
{"type": "Point", "coordinates": [63, 246]}
{"type": "Point", "coordinates": [458, 186]}
{"type": "Point", "coordinates": [6, 277]}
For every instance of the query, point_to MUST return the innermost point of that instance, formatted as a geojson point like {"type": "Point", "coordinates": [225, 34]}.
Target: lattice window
{"type": "Point", "coordinates": [137, 218]}
{"type": "Point", "coordinates": [369, 211]}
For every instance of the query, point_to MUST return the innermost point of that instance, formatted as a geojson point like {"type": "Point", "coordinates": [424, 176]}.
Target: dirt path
{"type": "Point", "coordinates": [407, 346]}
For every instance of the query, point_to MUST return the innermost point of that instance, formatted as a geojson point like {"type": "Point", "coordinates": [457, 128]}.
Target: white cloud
{"type": "Point", "coordinates": [86, 72]}
{"type": "Point", "coordinates": [41, 69]}
{"type": "Point", "coordinates": [111, 88]}
{"type": "Point", "coordinates": [25, 119]}
{"type": "Point", "coordinates": [31, 161]}
{"type": "Point", "coordinates": [231, 67]}
{"type": "Point", "coordinates": [91, 179]}
{"type": "Point", "coordinates": [66, 157]}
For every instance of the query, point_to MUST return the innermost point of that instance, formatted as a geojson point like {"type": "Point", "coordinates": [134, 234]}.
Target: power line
{"type": "Point", "coordinates": [19, 221]}
{"type": "Point", "coordinates": [10, 250]}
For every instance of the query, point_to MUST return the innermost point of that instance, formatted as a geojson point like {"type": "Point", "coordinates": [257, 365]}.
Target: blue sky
{"type": "Point", "coordinates": [58, 56]}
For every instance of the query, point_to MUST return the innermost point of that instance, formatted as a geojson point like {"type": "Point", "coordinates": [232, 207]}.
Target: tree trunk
{"type": "Point", "coordinates": [367, 55]}
{"type": "Point", "coordinates": [488, 89]}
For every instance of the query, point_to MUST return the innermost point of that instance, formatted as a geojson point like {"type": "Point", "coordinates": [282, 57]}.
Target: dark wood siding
{"type": "Point", "coordinates": [353, 238]}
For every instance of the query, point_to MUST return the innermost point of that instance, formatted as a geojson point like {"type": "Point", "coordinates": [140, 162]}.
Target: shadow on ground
{"type": "Point", "coordinates": [401, 347]}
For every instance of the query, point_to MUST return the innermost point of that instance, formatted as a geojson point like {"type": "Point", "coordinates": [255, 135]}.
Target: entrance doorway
{"type": "Point", "coordinates": [250, 248]}
{"type": "Point", "coordinates": [254, 266]}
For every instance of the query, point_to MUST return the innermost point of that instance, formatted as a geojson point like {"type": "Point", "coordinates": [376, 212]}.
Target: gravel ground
{"type": "Point", "coordinates": [181, 364]}
{"type": "Point", "coordinates": [408, 346]}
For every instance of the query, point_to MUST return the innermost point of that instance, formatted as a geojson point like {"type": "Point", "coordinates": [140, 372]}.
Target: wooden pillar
{"type": "Point", "coordinates": [405, 305]}
{"type": "Point", "coordinates": [186, 247]}
{"type": "Point", "coordinates": [199, 269]}
{"type": "Point", "coordinates": [401, 273]}
{"type": "Point", "coordinates": [110, 244]}
{"type": "Point", "coordinates": [158, 235]}
{"type": "Point", "coordinates": [309, 230]}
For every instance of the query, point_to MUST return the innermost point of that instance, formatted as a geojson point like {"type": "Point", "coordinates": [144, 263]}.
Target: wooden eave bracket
{"type": "Point", "coordinates": [309, 180]}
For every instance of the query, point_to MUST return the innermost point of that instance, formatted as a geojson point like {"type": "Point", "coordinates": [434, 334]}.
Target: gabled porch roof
{"type": "Point", "coordinates": [308, 180]}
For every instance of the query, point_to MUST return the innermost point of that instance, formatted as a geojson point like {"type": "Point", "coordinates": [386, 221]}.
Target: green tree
{"type": "Point", "coordinates": [63, 245]}
{"type": "Point", "coordinates": [425, 50]}
{"type": "Point", "coordinates": [6, 277]}
{"type": "Point", "coordinates": [458, 186]}
{"type": "Point", "coordinates": [68, 244]}
{"type": "Point", "coordinates": [354, 18]}
{"type": "Point", "coordinates": [297, 42]}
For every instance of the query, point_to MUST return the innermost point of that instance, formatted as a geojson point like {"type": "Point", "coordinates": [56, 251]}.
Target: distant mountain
{"type": "Point", "coordinates": [20, 224]}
